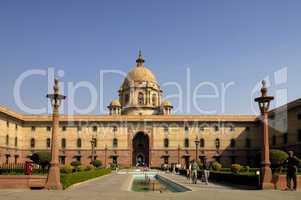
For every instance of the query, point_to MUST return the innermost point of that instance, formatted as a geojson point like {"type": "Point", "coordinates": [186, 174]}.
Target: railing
{"type": "Point", "coordinates": [17, 168]}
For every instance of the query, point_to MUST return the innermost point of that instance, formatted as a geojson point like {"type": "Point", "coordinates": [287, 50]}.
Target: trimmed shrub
{"type": "Point", "coordinates": [277, 157]}
{"type": "Point", "coordinates": [88, 168]}
{"type": "Point", "coordinates": [75, 165]}
{"type": "Point", "coordinates": [216, 166]}
{"type": "Point", "coordinates": [67, 169]}
{"type": "Point", "coordinates": [81, 168]}
{"type": "Point", "coordinates": [97, 163]}
{"type": "Point", "coordinates": [235, 168]}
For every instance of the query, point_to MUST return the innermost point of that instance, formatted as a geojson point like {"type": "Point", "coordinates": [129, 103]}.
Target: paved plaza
{"type": "Point", "coordinates": [115, 186]}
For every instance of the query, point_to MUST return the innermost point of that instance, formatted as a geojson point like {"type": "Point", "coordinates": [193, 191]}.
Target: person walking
{"type": "Point", "coordinates": [206, 172]}
{"type": "Point", "coordinates": [194, 168]}
{"type": "Point", "coordinates": [292, 166]}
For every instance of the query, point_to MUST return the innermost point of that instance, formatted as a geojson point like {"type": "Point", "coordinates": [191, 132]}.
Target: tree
{"type": "Point", "coordinates": [42, 158]}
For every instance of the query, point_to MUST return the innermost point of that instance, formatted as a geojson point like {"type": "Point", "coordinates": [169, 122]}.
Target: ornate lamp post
{"type": "Point", "coordinates": [53, 179]}
{"type": "Point", "coordinates": [197, 142]}
{"type": "Point", "coordinates": [266, 172]}
{"type": "Point", "coordinates": [93, 144]}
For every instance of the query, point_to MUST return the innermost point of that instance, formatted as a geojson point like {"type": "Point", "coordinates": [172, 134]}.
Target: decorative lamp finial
{"type": "Point", "coordinates": [140, 59]}
{"type": "Point", "coordinates": [264, 89]}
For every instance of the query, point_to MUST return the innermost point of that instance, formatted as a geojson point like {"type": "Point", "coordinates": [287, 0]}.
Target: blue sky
{"type": "Point", "coordinates": [226, 41]}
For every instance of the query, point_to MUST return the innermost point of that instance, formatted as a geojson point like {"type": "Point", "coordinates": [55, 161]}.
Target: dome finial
{"type": "Point", "coordinates": [140, 59]}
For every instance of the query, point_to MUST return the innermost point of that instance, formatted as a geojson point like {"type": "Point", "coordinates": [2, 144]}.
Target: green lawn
{"type": "Point", "coordinates": [77, 177]}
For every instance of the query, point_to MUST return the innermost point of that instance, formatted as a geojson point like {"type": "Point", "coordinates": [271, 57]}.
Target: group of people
{"type": "Point", "coordinates": [192, 173]}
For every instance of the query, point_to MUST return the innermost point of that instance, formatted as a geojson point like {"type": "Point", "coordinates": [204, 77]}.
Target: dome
{"type": "Point", "coordinates": [115, 103]}
{"type": "Point", "coordinates": [139, 73]}
{"type": "Point", "coordinates": [166, 103]}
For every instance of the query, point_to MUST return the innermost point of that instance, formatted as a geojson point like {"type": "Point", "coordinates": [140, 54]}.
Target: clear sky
{"type": "Point", "coordinates": [226, 41]}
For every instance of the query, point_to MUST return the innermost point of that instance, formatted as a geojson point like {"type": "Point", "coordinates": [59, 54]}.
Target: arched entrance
{"type": "Point", "coordinates": [140, 150]}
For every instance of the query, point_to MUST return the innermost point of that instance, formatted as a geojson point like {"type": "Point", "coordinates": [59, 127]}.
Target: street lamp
{"type": "Point", "coordinates": [53, 179]}
{"type": "Point", "coordinates": [93, 144]}
{"type": "Point", "coordinates": [264, 103]}
{"type": "Point", "coordinates": [197, 142]}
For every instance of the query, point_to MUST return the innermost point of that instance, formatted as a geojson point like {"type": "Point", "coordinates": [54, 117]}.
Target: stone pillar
{"type": "Point", "coordinates": [266, 172]}
{"type": "Point", "coordinates": [53, 179]}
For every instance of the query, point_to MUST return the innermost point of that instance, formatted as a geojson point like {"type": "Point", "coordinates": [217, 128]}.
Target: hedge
{"type": "Point", "coordinates": [247, 179]}
{"type": "Point", "coordinates": [77, 177]}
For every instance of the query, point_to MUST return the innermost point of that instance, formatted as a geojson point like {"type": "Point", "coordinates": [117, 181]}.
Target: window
{"type": "Point", "coordinates": [63, 143]}
{"type": "Point", "coordinates": [79, 128]}
{"type": "Point", "coordinates": [7, 124]}
{"type": "Point", "coordinates": [216, 128]}
{"type": "Point", "coordinates": [217, 143]}
{"type": "Point", "coordinates": [16, 141]}
{"type": "Point", "coordinates": [94, 128]}
{"type": "Point", "coordinates": [202, 129]}
{"type": "Point", "coordinates": [7, 140]}
{"type": "Point", "coordinates": [285, 138]}
{"type": "Point", "coordinates": [248, 142]}
{"type": "Point", "coordinates": [274, 140]}
{"type": "Point", "coordinates": [232, 143]}
{"type": "Point", "coordinates": [166, 142]}
{"type": "Point", "coordinates": [299, 116]}
{"type": "Point", "coordinates": [48, 142]}
{"type": "Point", "coordinates": [64, 128]}
{"type": "Point", "coordinates": [141, 98]}
{"type": "Point", "coordinates": [299, 135]}
{"type": "Point", "coordinates": [16, 126]}
{"type": "Point", "coordinates": [32, 143]}
{"type": "Point", "coordinates": [154, 99]}
{"type": "Point", "coordinates": [186, 128]}
{"type": "Point", "coordinates": [115, 143]}
{"type": "Point", "coordinates": [33, 128]}
{"type": "Point", "coordinates": [247, 128]}
{"type": "Point", "coordinates": [165, 159]}
{"type": "Point", "coordinates": [186, 143]}
{"type": "Point", "coordinates": [232, 128]}
{"type": "Point", "coordinates": [202, 142]}
{"type": "Point", "coordinates": [48, 128]}
{"type": "Point", "coordinates": [166, 129]}
{"type": "Point", "coordinates": [62, 160]}
{"type": "Point", "coordinates": [126, 99]}
{"type": "Point", "coordinates": [79, 143]}
{"type": "Point", "coordinates": [114, 129]}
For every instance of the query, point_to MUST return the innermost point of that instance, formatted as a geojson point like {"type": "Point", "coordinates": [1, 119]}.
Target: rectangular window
{"type": "Point", "coordinates": [7, 123]}
{"type": "Point", "coordinates": [299, 116]}
{"type": "Point", "coordinates": [299, 135]}
{"type": "Point", "coordinates": [94, 128]}
{"type": "Point", "coordinates": [33, 128]}
{"type": "Point", "coordinates": [48, 128]}
{"type": "Point", "coordinates": [79, 128]}
{"type": "Point", "coordinates": [16, 126]}
{"type": "Point", "coordinates": [285, 138]}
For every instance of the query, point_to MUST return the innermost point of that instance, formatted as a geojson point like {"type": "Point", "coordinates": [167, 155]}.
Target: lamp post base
{"type": "Point", "coordinates": [266, 178]}
{"type": "Point", "coordinates": [53, 179]}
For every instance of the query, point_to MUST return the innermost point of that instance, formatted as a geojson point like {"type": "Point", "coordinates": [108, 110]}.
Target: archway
{"type": "Point", "coordinates": [140, 150]}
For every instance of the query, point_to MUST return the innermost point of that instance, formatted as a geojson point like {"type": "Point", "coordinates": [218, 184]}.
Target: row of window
{"type": "Point", "coordinates": [202, 143]}
{"type": "Point", "coordinates": [202, 128]}
{"type": "Point", "coordinates": [141, 98]}
{"type": "Point", "coordinates": [79, 128]}
{"type": "Point", "coordinates": [64, 143]}
{"type": "Point", "coordinates": [284, 138]}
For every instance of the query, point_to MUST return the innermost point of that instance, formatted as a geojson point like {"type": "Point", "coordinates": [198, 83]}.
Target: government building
{"type": "Point", "coordinates": [140, 128]}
